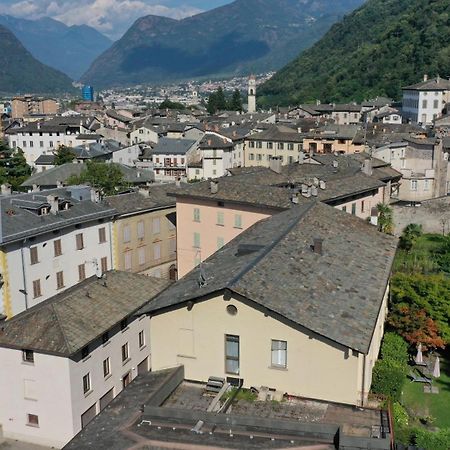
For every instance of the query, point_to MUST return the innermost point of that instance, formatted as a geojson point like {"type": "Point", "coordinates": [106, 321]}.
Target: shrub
{"type": "Point", "coordinates": [401, 418]}
{"type": "Point", "coordinates": [394, 347]}
{"type": "Point", "coordinates": [388, 378]}
{"type": "Point", "coordinates": [429, 440]}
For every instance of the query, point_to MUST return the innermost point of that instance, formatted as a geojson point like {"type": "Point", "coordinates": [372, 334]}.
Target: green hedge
{"type": "Point", "coordinates": [432, 440]}
{"type": "Point", "coordinates": [388, 378]}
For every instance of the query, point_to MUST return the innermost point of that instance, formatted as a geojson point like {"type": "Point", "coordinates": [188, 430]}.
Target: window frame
{"type": "Point", "coordinates": [125, 352]}
{"type": "Point", "coordinates": [87, 386]}
{"type": "Point", "coordinates": [277, 350]}
{"type": "Point", "coordinates": [107, 366]}
{"type": "Point", "coordinates": [57, 248]}
{"type": "Point", "coordinates": [232, 339]}
{"type": "Point", "coordinates": [26, 356]}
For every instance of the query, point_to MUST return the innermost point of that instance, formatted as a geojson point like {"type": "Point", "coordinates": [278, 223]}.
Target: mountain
{"type": "Point", "coordinates": [20, 72]}
{"type": "Point", "coordinates": [68, 49]}
{"type": "Point", "coordinates": [239, 38]}
{"type": "Point", "coordinates": [380, 47]}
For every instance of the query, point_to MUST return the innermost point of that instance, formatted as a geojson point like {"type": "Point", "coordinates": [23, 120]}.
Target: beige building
{"type": "Point", "coordinates": [28, 105]}
{"type": "Point", "coordinates": [342, 139]}
{"type": "Point", "coordinates": [144, 232]}
{"type": "Point", "coordinates": [296, 303]}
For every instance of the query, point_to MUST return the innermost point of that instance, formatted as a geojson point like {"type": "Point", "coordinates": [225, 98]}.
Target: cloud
{"type": "Point", "coordinates": [112, 17]}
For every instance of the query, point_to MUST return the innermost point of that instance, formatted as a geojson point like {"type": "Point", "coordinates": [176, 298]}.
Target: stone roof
{"type": "Point", "coordinates": [44, 160]}
{"type": "Point", "coordinates": [273, 133]}
{"type": "Point", "coordinates": [115, 115]}
{"type": "Point", "coordinates": [20, 219]}
{"type": "Point", "coordinates": [69, 321]}
{"type": "Point", "coordinates": [336, 294]}
{"type": "Point", "coordinates": [168, 146]}
{"type": "Point", "coordinates": [135, 202]}
{"type": "Point", "coordinates": [213, 141]}
{"type": "Point", "coordinates": [434, 84]}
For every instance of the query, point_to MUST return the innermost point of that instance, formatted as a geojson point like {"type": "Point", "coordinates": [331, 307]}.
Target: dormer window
{"type": "Point", "coordinates": [44, 211]}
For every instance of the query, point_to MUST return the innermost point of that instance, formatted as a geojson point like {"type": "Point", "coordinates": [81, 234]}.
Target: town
{"type": "Point", "coordinates": [186, 265]}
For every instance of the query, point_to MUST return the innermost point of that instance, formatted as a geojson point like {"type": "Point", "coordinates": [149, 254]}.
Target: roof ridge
{"type": "Point", "coordinates": [270, 247]}
{"type": "Point", "coordinates": [58, 318]}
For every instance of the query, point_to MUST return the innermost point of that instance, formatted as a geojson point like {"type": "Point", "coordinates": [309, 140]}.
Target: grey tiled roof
{"type": "Point", "coordinates": [69, 321]}
{"type": "Point", "coordinates": [167, 146]}
{"type": "Point", "coordinates": [337, 294]}
{"type": "Point", "coordinates": [19, 219]}
{"type": "Point", "coordinates": [273, 133]}
{"type": "Point", "coordinates": [136, 202]}
{"type": "Point", "coordinates": [45, 160]}
{"type": "Point", "coordinates": [434, 84]}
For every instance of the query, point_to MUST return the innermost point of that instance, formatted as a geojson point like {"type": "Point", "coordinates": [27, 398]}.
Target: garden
{"type": "Point", "coordinates": [414, 368]}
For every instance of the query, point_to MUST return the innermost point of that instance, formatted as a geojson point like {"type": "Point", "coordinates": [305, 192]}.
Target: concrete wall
{"type": "Point", "coordinates": [211, 234]}
{"type": "Point", "coordinates": [316, 368]}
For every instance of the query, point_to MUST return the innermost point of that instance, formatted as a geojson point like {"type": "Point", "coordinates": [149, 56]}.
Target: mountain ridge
{"type": "Point", "coordinates": [374, 51]}
{"type": "Point", "coordinates": [240, 37]}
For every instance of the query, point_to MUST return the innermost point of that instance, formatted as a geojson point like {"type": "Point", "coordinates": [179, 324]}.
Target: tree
{"type": "Point", "coordinates": [106, 177]}
{"type": "Point", "coordinates": [410, 235]}
{"type": "Point", "coordinates": [14, 169]}
{"type": "Point", "coordinates": [168, 104]}
{"type": "Point", "coordinates": [385, 218]}
{"type": "Point", "coordinates": [64, 155]}
{"type": "Point", "coordinates": [211, 106]}
{"type": "Point", "coordinates": [235, 103]}
{"type": "Point", "coordinates": [216, 101]}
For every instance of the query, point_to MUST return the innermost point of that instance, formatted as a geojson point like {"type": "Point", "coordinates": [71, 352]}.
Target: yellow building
{"type": "Point", "coordinates": [144, 232]}
{"type": "Point", "coordinates": [296, 303]}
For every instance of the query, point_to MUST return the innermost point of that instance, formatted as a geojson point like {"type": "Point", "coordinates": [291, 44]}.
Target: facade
{"type": "Point", "coordinates": [28, 105]}
{"type": "Point", "coordinates": [423, 102]}
{"type": "Point", "coordinates": [309, 335]}
{"type": "Point", "coordinates": [144, 232]}
{"type": "Point", "coordinates": [50, 241]}
{"type": "Point", "coordinates": [144, 134]}
{"type": "Point", "coordinates": [65, 359]}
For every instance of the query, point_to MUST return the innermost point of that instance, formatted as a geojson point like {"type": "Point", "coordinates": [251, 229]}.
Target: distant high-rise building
{"type": "Point", "coordinates": [252, 94]}
{"type": "Point", "coordinates": [88, 93]}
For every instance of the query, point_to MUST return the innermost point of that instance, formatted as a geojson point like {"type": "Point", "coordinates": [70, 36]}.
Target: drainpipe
{"type": "Point", "coordinates": [24, 278]}
{"type": "Point", "coordinates": [111, 243]}
{"type": "Point", "coordinates": [363, 380]}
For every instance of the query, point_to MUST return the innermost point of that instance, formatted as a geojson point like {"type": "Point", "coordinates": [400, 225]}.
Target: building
{"type": "Point", "coordinates": [423, 102]}
{"type": "Point", "coordinates": [296, 303]}
{"type": "Point", "coordinates": [66, 358]}
{"type": "Point", "coordinates": [50, 241]}
{"type": "Point", "coordinates": [276, 140]}
{"type": "Point", "coordinates": [144, 232]}
{"type": "Point", "coordinates": [28, 105]}
{"type": "Point", "coordinates": [170, 158]}
{"type": "Point", "coordinates": [87, 93]}
{"type": "Point", "coordinates": [251, 95]}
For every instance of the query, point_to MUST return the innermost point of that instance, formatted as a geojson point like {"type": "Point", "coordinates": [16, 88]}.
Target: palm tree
{"type": "Point", "coordinates": [385, 218]}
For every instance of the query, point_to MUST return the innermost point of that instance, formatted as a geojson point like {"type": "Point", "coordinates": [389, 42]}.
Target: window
{"type": "Point", "coordinates": [34, 255]}
{"type": "Point", "coordinates": [31, 144]}
{"type": "Point", "coordinates": [258, 157]}
{"type": "Point", "coordinates": [79, 241]}
{"type": "Point", "coordinates": [28, 356]}
{"type": "Point", "coordinates": [290, 146]}
{"type": "Point", "coordinates": [86, 383]}
{"type": "Point", "coordinates": [125, 353]}
{"type": "Point", "coordinates": [426, 185]}
{"type": "Point", "coordinates": [124, 324]}
{"type": "Point", "coordinates": [414, 185]}
{"type": "Point", "coordinates": [344, 208]}
{"type": "Point", "coordinates": [362, 206]}
{"type": "Point", "coordinates": [141, 339]}
{"type": "Point", "coordinates": [251, 144]}
{"type": "Point", "coordinates": [128, 260]}
{"type": "Point", "coordinates": [105, 338]}
{"type": "Point", "coordinates": [220, 219]}
{"type": "Point", "coordinates": [251, 156]}
{"type": "Point", "coordinates": [106, 367]}
{"type": "Point", "coordinates": [32, 420]}
{"type": "Point", "coordinates": [220, 243]}
{"type": "Point", "coordinates": [37, 288]}
{"type": "Point", "coordinates": [141, 255]}
{"type": "Point", "coordinates": [280, 146]}
{"type": "Point", "coordinates": [156, 225]}
{"type": "Point", "coordinates": [424, 104]}
{"type": "Point", "coordinates": [232, 354]}
{"type": "Point", "coordinates": [279, 353]}
{"type": "Point", "coordinates": [197, 240]}
{"type": "Point", "coordinates": [81, 272]}
{"type": "Point", "coordinates": [24, 144]}
{"type": "Point", "coordinates": [85, 352]}
{"type": "Point", "coordinates": [104, 264]}
{"type": "Point", "coordinates": [126, 233]}
{"type": "Point", "coordinates": [50, 144]}
{"type": "Point", "coordinates": [157, 251]}
{"type": "Point", "coordinates": [354, 208]}
{"type": "Point", "coordinates": [237, 221]}
{"type": "Point", "coordinates": [59, 280]}
{"type": "Point", "coordinates": [435, 104]}
{"type": "Point", "coordinates": [41, 144]}
{"type": "Point", "coordinates": [57, 247]}
{"type": "Point", "coordinates": [140, 230]}
{"type": "Point", "coordinates": [270, 145]}
{"type": "Point", "coordinates": [258, 144]}
{"type": "Point", "coordinates": [102, 235]}
{"type": "Point", "coordinates": [172, 246]}
{"type": "Point", "coordinates": [196, 214]}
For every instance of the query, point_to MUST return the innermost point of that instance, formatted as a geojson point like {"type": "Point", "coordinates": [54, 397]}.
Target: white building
{"type": "Point", "coordinates": [423, 102]}
{"type": "Point", "coordinates": [50, 241]}
{"type": "Point", "coordinates": [251, 94]}
{"type": "Point", "coordinates": [66, 358]}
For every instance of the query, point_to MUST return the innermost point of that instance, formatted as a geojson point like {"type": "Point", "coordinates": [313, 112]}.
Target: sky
{"type": "Point", "coordinates": [111, 17]}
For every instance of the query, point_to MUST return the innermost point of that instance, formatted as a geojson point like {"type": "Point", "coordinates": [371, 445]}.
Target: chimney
{"type": "Point", "coordinates": [95, 196]}
{"type": "Point", "coordinates": [294, 199]}
{"type": "Point", "coordinates": [214, 187]}
{"type": "Point", "coordinates": [367, 167]}
{"type": "Point", "coordinates": [275, 164]}
{"type": "Point", "coordinates": [425, 77]}
{"type": "Point", "coordinates": [35, 188]}
{"type": "Point", "coordinates": [322, 184]}
{"type": "Point", "coordinates": [38, 125]}
{"type": "Point", "coordinates": [301, 157]}
{"type": "Point", "coordinates": [318, 246]}
{"type": "Point", "coordinates": [335, 164]}
{"type": "Point", "coordinates": [178, 182]}
{"type": "Point", "coordinates": [59, 184]}
{"type": "Point", "coordinates": [315, 181]}
{"type": "Point", "coordinates": [314, 191]}
{"type": "Point", "coordinates": [6, 189]}
{"type": "Point", "coordinates": [53, 202]}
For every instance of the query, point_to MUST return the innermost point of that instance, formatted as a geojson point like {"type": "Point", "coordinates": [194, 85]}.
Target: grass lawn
{"type": "Point", "coordinates": [437, 406]}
